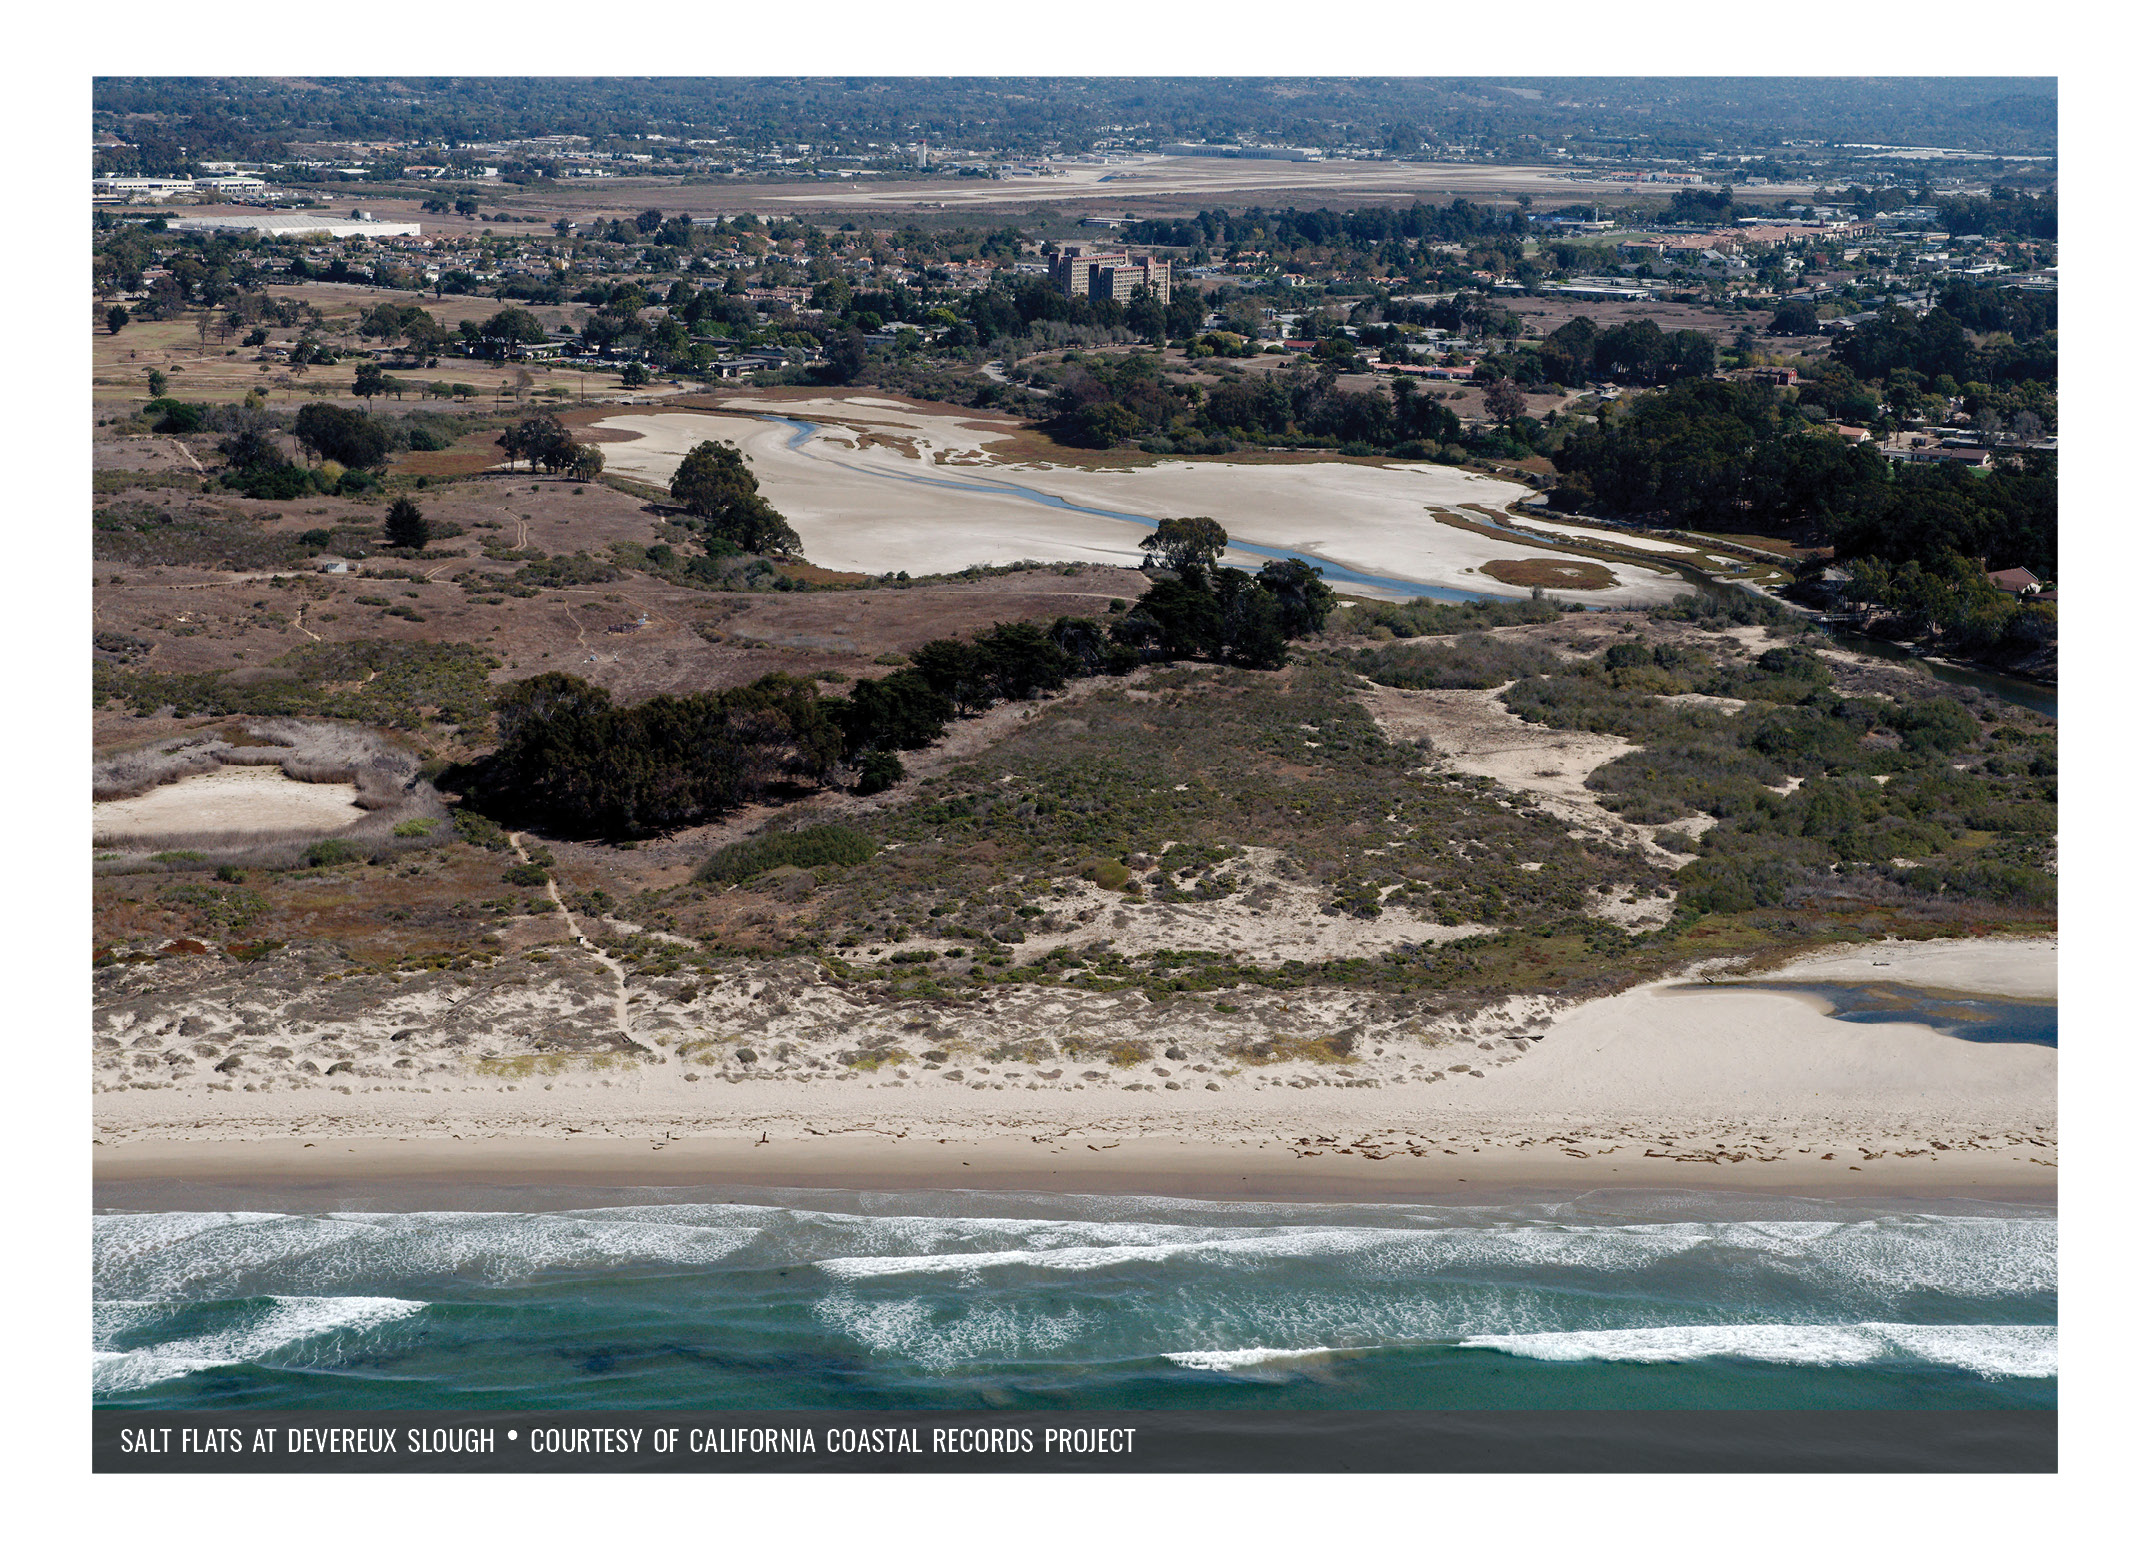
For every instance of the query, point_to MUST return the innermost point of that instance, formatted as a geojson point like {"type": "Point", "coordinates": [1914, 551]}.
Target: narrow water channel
{"type": "Point", "coordinates": [1330, 571]}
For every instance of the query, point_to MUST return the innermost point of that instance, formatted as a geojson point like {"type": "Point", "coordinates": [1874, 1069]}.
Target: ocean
{"type": "Point", "coordinates": [811, 1299]}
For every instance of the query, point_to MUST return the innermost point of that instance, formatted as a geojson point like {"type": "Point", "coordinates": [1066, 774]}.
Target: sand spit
{"type": "Point", "coordinates": [2028, 968]}
{"type": "Point", "coordinates": [853, 492]}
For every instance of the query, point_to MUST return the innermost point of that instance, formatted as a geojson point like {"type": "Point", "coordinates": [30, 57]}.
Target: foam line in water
{"type": "Point", "coordinates": [1990, 1350]}
{"type": "Point", "coordinates": [283, 1322]}
{"type": "Point", "coordinates": [1250, 1356]}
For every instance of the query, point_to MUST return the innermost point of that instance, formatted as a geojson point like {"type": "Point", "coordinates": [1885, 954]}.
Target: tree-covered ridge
{"type": "Point", "coordinates": [169, 119]}
{"type": "Point", "coordinates": [572, 762]}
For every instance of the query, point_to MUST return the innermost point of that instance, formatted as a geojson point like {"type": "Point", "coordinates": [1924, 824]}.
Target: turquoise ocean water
{"type": "Point", "coordinates": [969, 1300]}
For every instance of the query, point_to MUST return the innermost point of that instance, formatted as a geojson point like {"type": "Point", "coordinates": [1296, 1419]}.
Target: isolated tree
{"type": "Point", "coordinates": [406, 526]}
{"type": "Point", "coordinates": [509, 328]}
{"type": "Point", "coordinates": [158, 382]}
{"type": "Point", "coordinates": [369, 379]}
{"type": "Point", "coordinates": [715, 484]}
{"type": "Point", "coordinates": [634, 374]}
{"type": "Point", "coordinates": [115, 320]}
{"type": "Point", "coordinates": [1505, 401]}
{"type": "Point", "coordinates": [1181, 541]}
{"type": "Point", "coordinates": [847, 356]}
{"type": "Point", "coordinates": [588, 464]}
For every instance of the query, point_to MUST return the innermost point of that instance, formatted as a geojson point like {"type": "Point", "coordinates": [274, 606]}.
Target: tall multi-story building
{"type": "Point", "coordinates": [1094, 273]}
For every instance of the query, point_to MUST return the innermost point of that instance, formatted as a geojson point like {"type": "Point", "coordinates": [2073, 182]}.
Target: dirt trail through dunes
{"type": "Point", "coordinates": [620, 1019]}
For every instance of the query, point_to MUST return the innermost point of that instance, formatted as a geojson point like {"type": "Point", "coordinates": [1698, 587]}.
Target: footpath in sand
{"type": "Point", "coordinates": [878, 486]}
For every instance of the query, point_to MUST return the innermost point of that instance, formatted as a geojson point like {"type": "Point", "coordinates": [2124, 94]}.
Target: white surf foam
{"type": "Point", "coordinates": [909, 1328]}
{"type": "Point", "coordinates": [1768, 1268]}
{"type": "Point", "coordinates": [1991, 1350]}
{"type": "Point", "coordinates": [286, 1321]}
{"type": "Point", "coordinates": [1251, 1356]}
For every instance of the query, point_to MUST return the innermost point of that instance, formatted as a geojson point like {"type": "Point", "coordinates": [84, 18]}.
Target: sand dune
{"type": "Point", "coordinates": [1741, 1088]}
{"type": "Point", "coordinates": [254, 797]}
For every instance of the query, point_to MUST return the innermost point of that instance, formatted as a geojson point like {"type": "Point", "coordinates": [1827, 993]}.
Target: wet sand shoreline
{"type": "Point", "coordinates": [431, 1173]}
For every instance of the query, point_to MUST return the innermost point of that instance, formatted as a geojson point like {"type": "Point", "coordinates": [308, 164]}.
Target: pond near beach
{"type": "Point", "coordinates": [1983, 1019]}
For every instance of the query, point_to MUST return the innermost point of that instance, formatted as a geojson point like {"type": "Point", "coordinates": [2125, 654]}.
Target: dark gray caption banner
{"type": "Point", "coordinates": [1084, 1442]}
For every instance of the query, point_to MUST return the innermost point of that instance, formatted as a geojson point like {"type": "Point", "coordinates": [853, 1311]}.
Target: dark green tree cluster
{"type": "Point", "coordinates": [541, 441]}
{"type": "Point", "coordinates": [417, 328]}
{"type": "Point", "coordinates": [1638, 353]}
{"type": "Point", "coordinates": [1946, 599]}
{"type": "Point", "coordinates": [331, 431]}
{"type": "Point", "coordinates": [1180, 541]}
{"type": "Point", "coordinates": [715, 485]}
{"type": "Point", "coordinates": [910, 707]}
{"type": "Point", "coordinates": [1717, 451]}
{"type": "Point", "coordinates": [502, 334]}
{"type": "Point", "coordinates": [1105, 400]}
{"type": "Point", "coordinates": [255, 465]}
{"type": "Point", "coordinates": [2007, 213]}
{"type": "Point", "coordinates": [1297, 230]}
{"type": "Point", "coordinates": [2025, 347]}
{"type": "Point", "coordinates": [1203, 611]}
{"type": "Point", "coordinates": [1196, 611]}
{"type": "Point", "coordinates": [572, 762]}
{"type": "Point", "coordinates": [1740, 454]}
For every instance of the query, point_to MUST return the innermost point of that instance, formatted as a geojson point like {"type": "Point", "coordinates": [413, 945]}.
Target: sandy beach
{"type": "Point", "coordinates": [881, 487]}
{"type": "Point", "coordinates": [1743, 1087]}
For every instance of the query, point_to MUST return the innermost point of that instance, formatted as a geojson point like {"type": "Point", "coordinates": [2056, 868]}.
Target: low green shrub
{"type": "Point", "coordinates": [822, 845]}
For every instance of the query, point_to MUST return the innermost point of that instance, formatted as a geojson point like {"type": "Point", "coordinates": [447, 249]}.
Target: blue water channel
{"type": "Point", "coordinates": [1329, 569]}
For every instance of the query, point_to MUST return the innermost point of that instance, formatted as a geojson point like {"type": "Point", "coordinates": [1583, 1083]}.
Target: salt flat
{"type": "Point", "coordinates": [897, 489]}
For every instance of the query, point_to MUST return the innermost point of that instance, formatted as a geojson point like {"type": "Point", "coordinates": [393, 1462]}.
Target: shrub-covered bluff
{"type": "Point", "coordinates": [1249, 867]}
